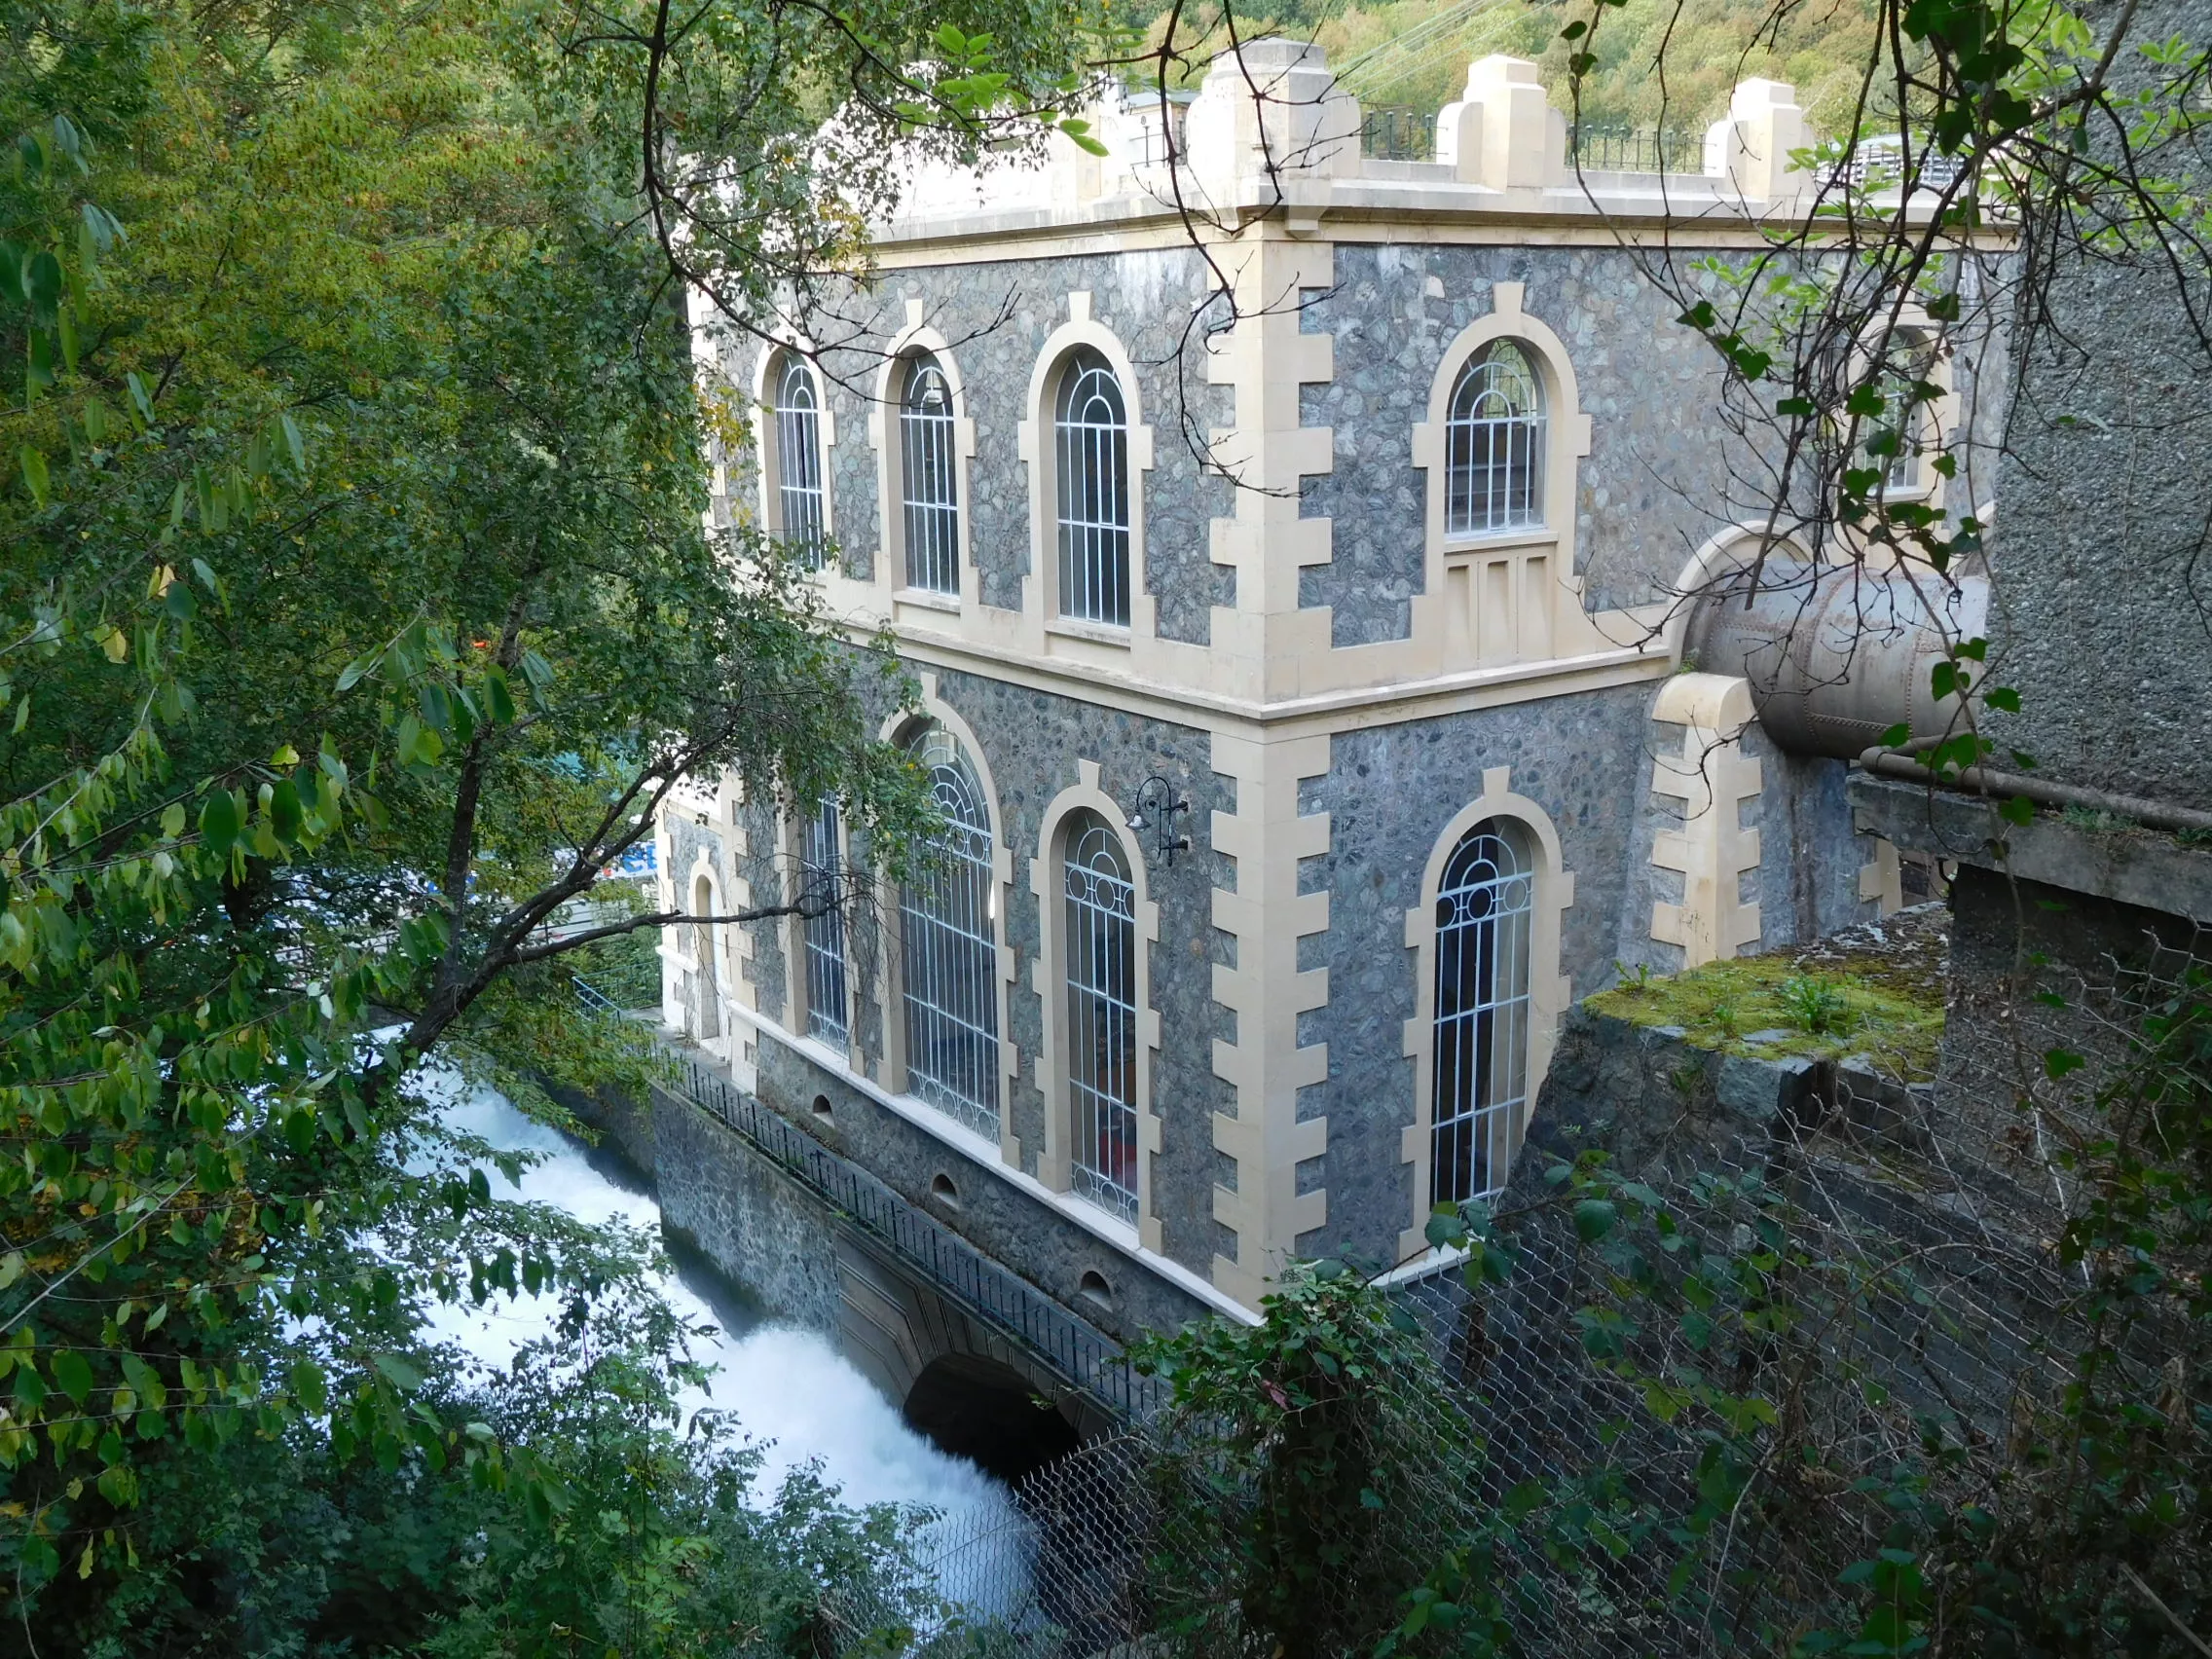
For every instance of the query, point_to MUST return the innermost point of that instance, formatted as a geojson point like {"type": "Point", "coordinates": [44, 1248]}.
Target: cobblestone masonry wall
{"type": "Point", "coordinates": [1651, 491]}
{"type": "Point", "coordinates": [1031, 742]}
{"type": "Point", "coordinates": [1044, 1247]}
{"type": "Point", "coordinates": [1389, 794]}
{"type": "Point", "coordinates": [997, 316]}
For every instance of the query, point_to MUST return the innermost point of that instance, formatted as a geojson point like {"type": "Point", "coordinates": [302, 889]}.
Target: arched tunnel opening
{"type": "Point", "coordinates": [982, 1410]}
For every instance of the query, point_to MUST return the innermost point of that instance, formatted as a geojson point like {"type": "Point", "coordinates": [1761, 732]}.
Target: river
{"type": "Point", "coordinates": [787, 1387]}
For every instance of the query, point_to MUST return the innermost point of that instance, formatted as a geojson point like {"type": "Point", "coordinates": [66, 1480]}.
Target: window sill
{"type": "Point", "coordinates": [1531, 540]}
{"type": "Point", "coordinates": [928, 599]}
{"type": "Point", "coordinates": [1093, 632]}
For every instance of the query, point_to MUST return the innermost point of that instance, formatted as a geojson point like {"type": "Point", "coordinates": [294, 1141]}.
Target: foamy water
{"type": "Point", "coordinates": [785, 1388]}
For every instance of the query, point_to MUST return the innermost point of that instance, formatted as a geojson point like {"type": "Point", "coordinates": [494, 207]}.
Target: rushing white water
{"type": "Point", "coordinates": [785, 1388]}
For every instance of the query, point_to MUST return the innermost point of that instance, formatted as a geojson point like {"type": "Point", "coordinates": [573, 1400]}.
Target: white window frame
{"type": "Point", "coordinates": [1550, 992]}
{"type": "Point", "coordinates": [1497, 400]}
{"type": "Point", "coordinates": [825, 973]}
{"type": "Point", "coordinates": [958, 966]}
{"type": "Point", "coordinates": [1058, 1165]}
{"type": "Point", "coordinates": [1092, 492]}
{"type": "Point", "coordinates": [929, 454]}
{"type": "Point", "coordinates": [774, 366]}
{"type": "Point", "coordinates": [1479, 1021]}
{"type": "Point", "coordinates": [1064, 633]}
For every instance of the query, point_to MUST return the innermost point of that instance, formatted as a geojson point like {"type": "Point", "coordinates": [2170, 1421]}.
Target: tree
{"type": "Point", "coordinates": [357, 612]}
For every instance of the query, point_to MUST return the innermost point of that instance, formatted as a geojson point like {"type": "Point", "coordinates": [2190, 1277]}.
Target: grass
{"type": "Point", "coordinates": [1889, 1017]}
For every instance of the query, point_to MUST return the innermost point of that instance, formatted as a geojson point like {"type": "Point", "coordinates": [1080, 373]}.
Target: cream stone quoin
{"type": "Point", "coordinates": [1397, 604]}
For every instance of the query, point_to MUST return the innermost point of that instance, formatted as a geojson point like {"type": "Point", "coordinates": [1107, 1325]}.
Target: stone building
{"type": "Point", "coordinates": [1286, 543]}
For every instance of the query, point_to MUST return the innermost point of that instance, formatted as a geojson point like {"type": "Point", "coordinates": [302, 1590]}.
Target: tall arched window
{"type": "Point", "coordinates": [1494, 444]}
{"type": "Point", "coordinates": [1101, 949]}
{"type": "Point", "coordinates": [931, 496]}
{"type": "Point", "coordinates": [1893, 441]}
{"type": "Point", "coordinates": [950, 950]}
{"type": "Point", "coordinates": [1483, 909]}
{"type": "Point", "coordinates": [705, 989]}
{"type": "Point", "coordinates": [1090, 432]}
{"type": "Point", "coordinates": [822, 891]}
{"type": "Point", "coordinates": [800, 518]}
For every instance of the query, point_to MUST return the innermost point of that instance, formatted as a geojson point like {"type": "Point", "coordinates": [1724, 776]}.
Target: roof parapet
{"type": "Point", "coordinates": [1270, 125]}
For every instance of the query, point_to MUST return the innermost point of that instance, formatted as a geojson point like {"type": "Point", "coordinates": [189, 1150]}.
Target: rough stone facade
{"type": "Point", "coordinates": [1337, 685]}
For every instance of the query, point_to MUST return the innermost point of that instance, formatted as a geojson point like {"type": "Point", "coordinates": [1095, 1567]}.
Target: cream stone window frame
{"type": "Point", "coordinates": [791, 863]}
{"type": "Point", "coordinates": [1497, 597]}
{"type": "Point", "coordinates": [705, 955]}
{"type": "Point", "coordinates": [1549, 990]}
{"type": "Point", "coordinates": [915, 340]}
{"type": "Point", "coordinates": [767, 372]}
{"type": "Point", "coordinates": [1049, 978]}
{"type": "Point", "coordinates": [1035, 439]}
{"type": "Point", "coordinates": [1936, 420]}
{"type": "Point", "coordinates": [890, 968]}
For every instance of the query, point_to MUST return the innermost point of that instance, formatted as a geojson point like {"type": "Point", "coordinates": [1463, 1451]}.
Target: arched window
{"type": "Point", "coordinates": [950, 950]}
{"type": "Point", "coordinates": [822, 890]}
{"type": "Point", "coordinates": [1091, 430]}
{"type": "Point", "coordinates": [706, 992]}
{"type": "Point", "coordinates": [1483, 909]}
{"type": "Point", "coordinates": [1891, 440]}
{"type": "Point", "coordinates": [1494, 444]}
{"type": "Point", "coordinates": [931, 497]}
{"type": "Point", "coordinates": [800, 518]}
{"type": "Point", "coordinates": [1102, 950]}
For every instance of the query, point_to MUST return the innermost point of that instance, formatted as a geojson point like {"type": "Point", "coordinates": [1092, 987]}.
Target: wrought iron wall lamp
{"type": "Point", "coordinates": [1155, 809]}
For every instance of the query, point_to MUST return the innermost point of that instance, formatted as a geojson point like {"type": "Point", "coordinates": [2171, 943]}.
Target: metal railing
{"type": "Point", "coordinates": [1391, 132]}
{"type": "Point", "coordinates": [1600, 148]}
{"type": "Point", "coordinates": [955, 1269]}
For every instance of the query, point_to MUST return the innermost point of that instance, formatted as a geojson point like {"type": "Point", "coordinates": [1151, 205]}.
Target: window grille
{"type": "Point", "coordinates": [1102, 1017]}
{"type": "Point", "coordinates": [1494, 441]}
{"type": "Point", "coordinates": [1481, 1013]}
{"type": "Point", "coordinates": [822, 882]}
{"type": "Point", "coordinates": [1903, 420]}
{"type": "Point", "coordinates": [706, 990]}
{"type": "Point", "coordinates": [799, 507]}
{"type": "Point", "coordinates": [932, 501]}
{"type": "Point", "coordinates": [1091, 431]}
{"type": "Point", "coordinates": [950, 952]}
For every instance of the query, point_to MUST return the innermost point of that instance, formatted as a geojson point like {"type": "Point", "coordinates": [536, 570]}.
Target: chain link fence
{"type": "Point", "coordinates": [1700, 1389]}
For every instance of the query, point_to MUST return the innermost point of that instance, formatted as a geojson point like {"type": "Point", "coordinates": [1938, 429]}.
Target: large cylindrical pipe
{"type": "Point", "coordinates": [1837, 654]}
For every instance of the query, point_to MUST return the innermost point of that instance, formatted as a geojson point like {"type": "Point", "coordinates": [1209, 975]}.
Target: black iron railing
{"type": "Point", "coordinates": [1600, 148]}
{"type": "Point", "coordinates": [1391, 132]}
{"type": "Point", "coordinates": [955, 1269]}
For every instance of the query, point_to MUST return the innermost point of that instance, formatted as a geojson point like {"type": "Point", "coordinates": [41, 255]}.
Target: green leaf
{"type": "Point", "coordinates": [220, 820]}
{"type": "Point", "coordinates": [401, 1370]}
{"type": "Point", "coordinates": [34, 473]}
{"type": "Point", "coordinates": [310, 1389]}
{"type": "Point", "coordinates": [73, 1374]}
{"type": "Point", "coordinates": [42, 283]}
{"type": "Point", "coordinates": [1594, 1218]}
{"type": "Point", "coordinates": [499, 701]}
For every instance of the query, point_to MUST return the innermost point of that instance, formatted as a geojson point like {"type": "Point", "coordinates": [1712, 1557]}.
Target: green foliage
{"type": "Point", "coordinates": [356, 614]}
{"type": "Point", "coordinates": [1815, 1005]}
{"type": "Point", "coordinates": [1295, 1450]}
{"type": "Point", "coordinates": [1869, 1006]}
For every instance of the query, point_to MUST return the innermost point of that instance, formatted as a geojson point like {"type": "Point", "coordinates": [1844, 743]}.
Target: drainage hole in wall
{"type": "Point", "coordinates": [945, 1192]}
{"type": "Point", "coordinates": [1094, 1288]}
{"type": "Point", "coordinates": [822, 1109]}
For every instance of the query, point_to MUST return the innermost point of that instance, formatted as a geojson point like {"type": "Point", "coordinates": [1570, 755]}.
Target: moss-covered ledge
{"type": "Point", "coordinates": [1874, 994]}
{"type": "Point", "coordinates": [1736, 1064]}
